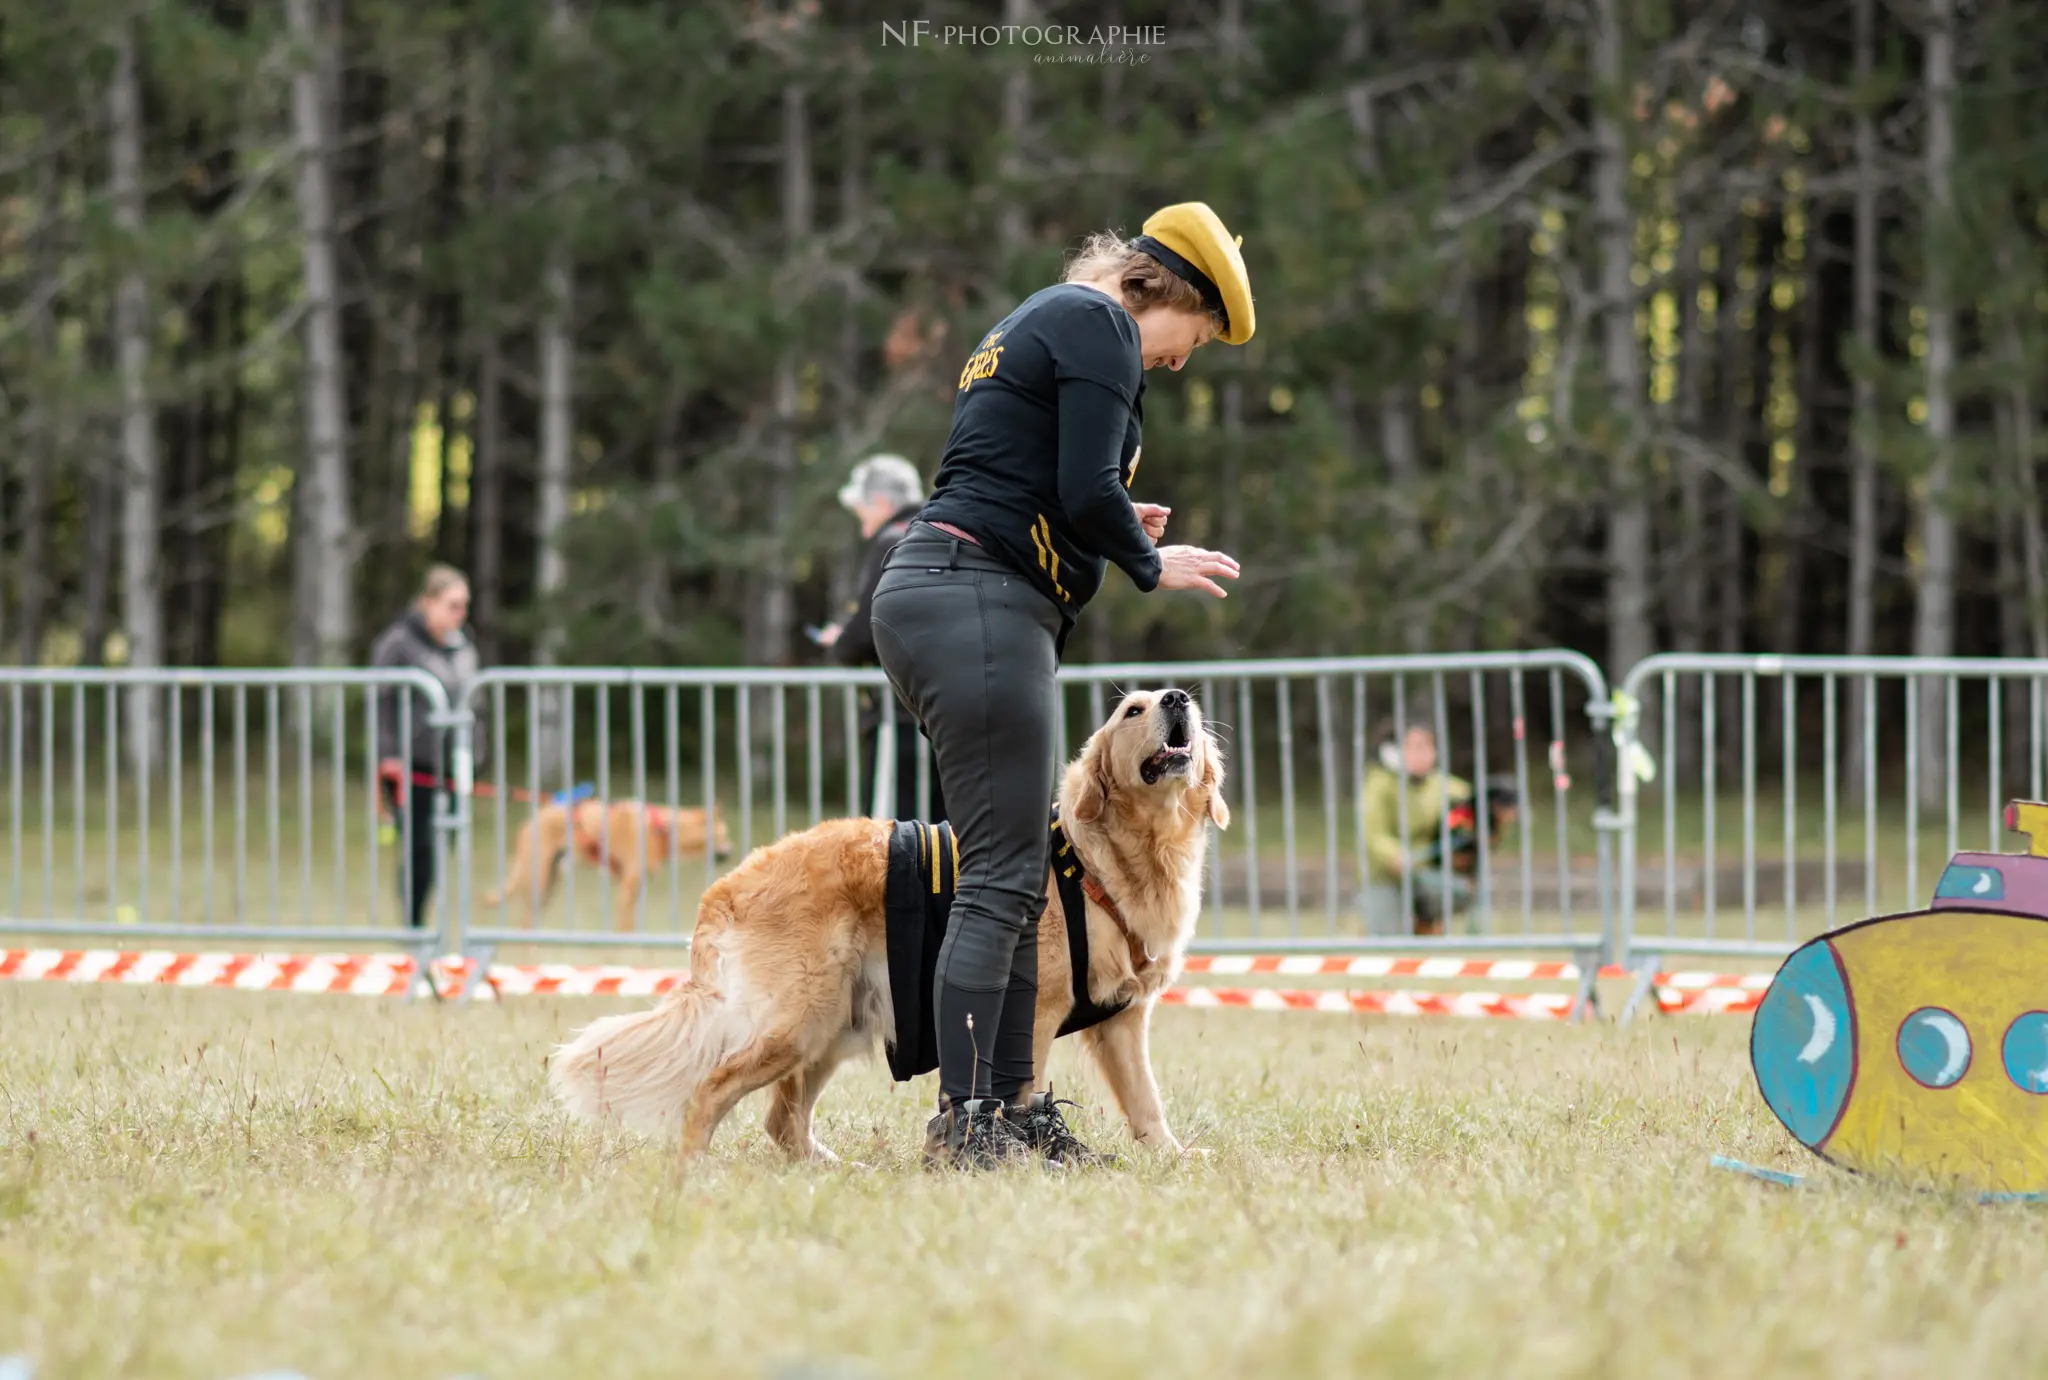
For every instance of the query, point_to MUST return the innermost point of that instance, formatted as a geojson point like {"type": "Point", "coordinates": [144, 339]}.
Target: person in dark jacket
{"type": "Point", "coordinates": [1030, 507]}
{"type": "Point", "coordinates": [429, 637]}
{"type": "Point", "coordinates": [884, 493]}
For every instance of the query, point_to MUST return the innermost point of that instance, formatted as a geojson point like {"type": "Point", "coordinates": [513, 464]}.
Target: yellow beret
{"type": "Point", "coordinates": [1208, 257]}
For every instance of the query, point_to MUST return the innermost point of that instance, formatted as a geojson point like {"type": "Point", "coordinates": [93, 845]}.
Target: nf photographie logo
{"type": "Point", "coordinates": [1047, 42]}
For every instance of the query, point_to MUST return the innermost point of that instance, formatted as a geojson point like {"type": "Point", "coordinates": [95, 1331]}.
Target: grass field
{"type": "Point", "coordinates": [199, 1184]}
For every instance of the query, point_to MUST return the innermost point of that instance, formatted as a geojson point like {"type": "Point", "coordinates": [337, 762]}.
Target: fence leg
{"type": "Point", "coordinates": [478, 961]}
{"type": "Point", "coordinates": [1644, 970]}
{"type": "Point", "coordinates": [1586, 1004]}
{"type": "Point", "coordinates": [423, 956]}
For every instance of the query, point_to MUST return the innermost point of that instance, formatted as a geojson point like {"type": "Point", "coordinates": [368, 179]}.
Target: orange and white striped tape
{"type": "Point", "coordinates": [388, 974]}
{"type": "Point", "coordinates": [569, 980]}
{"type": "Point", "coordinates": [1375, 965]}
{"type": "Point", "coordinates": [1535, 1006]}
{"type": "Point", "coordinates": [1482, 969]}
{"type": "Point", "coordinates": [372, 975]}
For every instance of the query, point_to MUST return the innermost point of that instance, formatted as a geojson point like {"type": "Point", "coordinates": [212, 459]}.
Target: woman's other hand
{"type": "Point", "coordinates": [1152, 517]}
{"type": "Point", "coordinates": [1192, 567]}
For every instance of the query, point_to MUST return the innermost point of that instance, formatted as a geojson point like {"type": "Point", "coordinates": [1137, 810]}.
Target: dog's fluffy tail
{"type": "Point", "coordinates": [641, 1069]}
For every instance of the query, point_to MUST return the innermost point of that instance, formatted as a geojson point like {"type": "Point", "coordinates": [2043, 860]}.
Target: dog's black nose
{"type": "Point", "coordinates": [1174, 699]}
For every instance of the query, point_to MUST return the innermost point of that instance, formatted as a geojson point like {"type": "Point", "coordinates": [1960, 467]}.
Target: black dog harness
{"type": "Point", "coordinates": [924, 872]}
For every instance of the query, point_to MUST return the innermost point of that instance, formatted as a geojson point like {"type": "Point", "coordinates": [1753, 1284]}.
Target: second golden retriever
{"type": "Point", "coordinates": [603, 833]}
{"type": "Point", "coordinates": [788, 966]}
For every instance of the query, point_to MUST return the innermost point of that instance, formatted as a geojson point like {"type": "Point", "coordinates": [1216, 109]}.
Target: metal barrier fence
{"type": "Point", "coordinates": [1821, 776]}
{"type": "Point", "coordinates": [764, 752]}
{"type": "Point", "coordinates": [214, 805]}
{"type": "Point", "coordinates": [1794, 794]}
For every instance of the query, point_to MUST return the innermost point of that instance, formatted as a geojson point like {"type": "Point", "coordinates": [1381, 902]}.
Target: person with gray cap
{"type": "Point", "coordinates": [885, 493]}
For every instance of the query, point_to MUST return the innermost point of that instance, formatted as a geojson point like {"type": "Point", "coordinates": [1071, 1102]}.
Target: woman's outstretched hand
{"type": "Point", "coordinates": [1152, 517]}
{"type": "Point", "coordinates": [1192, 567]}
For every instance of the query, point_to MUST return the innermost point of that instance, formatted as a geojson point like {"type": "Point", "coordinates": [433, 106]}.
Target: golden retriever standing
{"type": "Point", "coordinates": [788, 965]}
{"type": "Point", "coordinates": [603, 833]}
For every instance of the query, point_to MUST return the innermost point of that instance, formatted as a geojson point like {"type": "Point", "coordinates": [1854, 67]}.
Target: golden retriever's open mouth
{"type": "Point", "coordinates": [1175, 757]}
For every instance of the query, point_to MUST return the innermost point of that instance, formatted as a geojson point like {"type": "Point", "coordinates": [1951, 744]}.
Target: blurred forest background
{"type": "Point", "coordinates": [1621, 326]}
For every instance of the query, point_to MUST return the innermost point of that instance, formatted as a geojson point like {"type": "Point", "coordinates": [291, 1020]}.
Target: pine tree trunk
{"type": "Point", "coordinates": [32, 576]}
{"type": "Point", "coordinates": [1232, 524]}
{"type": "Point", "coordinates": [1864, 422]}
{"type": "Point", "coordinates": [551, 575]}
{"type": "Point", "coordinates": [557, 370]}
{"type": "Point", "coordinates": [774, 613]}
{"type": "Point", "coordinates": [557, 348]}
{"type": "Point", "coordinates": [1397, 442]}
{"type": "Point", "coordinates": [1797, 529]}
{"type": "Point", "coordinates": [1688, 585]}
{"type": "Point", "coordinates": [305, 647]}
{"type": "Point", "coordinates": [656, 599]}
{"type": "Point", "coordinates": [403, 385]}
{"type": "Point", "coordinates": [444, 325]}
{"type": "Point", "coordinates": [187, 441]}
{"type": "Point", "coordinates": [852, 209]}
{"type": "Point", "coordinates": [1629, 634]}
{"type": "Point", "coordinates": [2014, 249]}
{"type": "Point", "coordinates": [103, 490]}
{"type": "Point", "coordinates": [142, 614]}
{"type": "Point", "coordinates": [1393, 405]}
{"type": "Point", "coordinates": [218, 557]}
{"type": "Point", "coordinates": [2027, 512]}
{"type": "Point", "coordinates": [1731, 613]}
{"type": "Point", "coordinates": [2009, 583]}
{"type": "Point", "coordinates": [1934, 604]}
{"type": "Point", "coordinates": [362, 167]}
{"type": "Point", "coordinates": [487, 498]}
{"type": "Point", "coordinates": [328, 567]}
{"type": "Point", "coordinates": [1012, 225]}
{"type": "Point", "coordinates": [487, 462]}
{"type": "Point", "coordinates": [396, 365]}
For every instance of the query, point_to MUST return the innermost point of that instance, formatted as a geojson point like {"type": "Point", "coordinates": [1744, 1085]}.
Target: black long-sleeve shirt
{"type": "Point", "coordinates": [1047, 425]}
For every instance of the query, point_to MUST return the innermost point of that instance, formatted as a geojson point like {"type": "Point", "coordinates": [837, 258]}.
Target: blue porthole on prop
{"type": "Point", "coordinates": [1963, 882]}
{"type": "Point", "coordinates": [2025, 1052]}
{"type": "Point", "coordinates": [1934, 1047]}
{"type": "Point", "coordinates": [1803, 1043]}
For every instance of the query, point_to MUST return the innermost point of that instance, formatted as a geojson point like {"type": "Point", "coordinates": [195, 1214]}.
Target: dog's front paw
{"type": "Point", "coordinates": [1160, 1142]}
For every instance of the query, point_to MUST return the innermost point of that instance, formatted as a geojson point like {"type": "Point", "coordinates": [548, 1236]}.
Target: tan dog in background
{"type": "Point", "coordinates": [603, 835]}
{"type": "Point", "coordinates": [789, 970]}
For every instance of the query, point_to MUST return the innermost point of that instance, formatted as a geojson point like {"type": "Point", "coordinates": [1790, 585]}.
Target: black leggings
{"type": "Point", "coordinates": [970, 645]}
{"type": "Point", "coordinates": [416, 871]}
{"type": "Point", "coordinates": [910, 745]}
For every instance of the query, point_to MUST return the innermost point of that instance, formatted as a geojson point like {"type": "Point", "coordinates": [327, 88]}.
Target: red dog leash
{"type": "Point", "coordinates": [393, 775]}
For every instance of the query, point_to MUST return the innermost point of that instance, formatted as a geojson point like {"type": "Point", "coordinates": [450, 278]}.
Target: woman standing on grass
{"type": "Point", "coordinates": [975, 604]}
{"type": "Point", "coordinates": [428, 637]}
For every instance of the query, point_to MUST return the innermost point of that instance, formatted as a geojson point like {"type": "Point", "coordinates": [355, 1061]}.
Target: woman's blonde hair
{"type": "Point", "coordinates": [439, 580]}
{"type": "Point", "coordinates": [1144, 281]}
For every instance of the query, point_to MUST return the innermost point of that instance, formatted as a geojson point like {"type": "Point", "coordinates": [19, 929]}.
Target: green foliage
{"type": "Point", "coordinates": [1425, 452]}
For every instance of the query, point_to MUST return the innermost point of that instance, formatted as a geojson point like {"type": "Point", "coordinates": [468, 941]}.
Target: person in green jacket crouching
{"type": "Point", "coordinates": [1404, 801]}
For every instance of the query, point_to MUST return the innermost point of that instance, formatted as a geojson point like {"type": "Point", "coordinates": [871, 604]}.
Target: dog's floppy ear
{"type": "Point", "coordinates": [1093, 796]}
{"type": "Point", "coordinates": [1212, 784]}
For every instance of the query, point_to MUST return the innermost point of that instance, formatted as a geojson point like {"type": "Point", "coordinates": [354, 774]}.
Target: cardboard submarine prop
{"type": "Point", "coordinates": [1915, 1046]}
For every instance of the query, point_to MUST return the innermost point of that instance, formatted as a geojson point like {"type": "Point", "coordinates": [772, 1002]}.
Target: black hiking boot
{"type": "Point", "coordinates": [974, 1135]}
{"type": "Point", "coordinates": [1043, 1128]}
